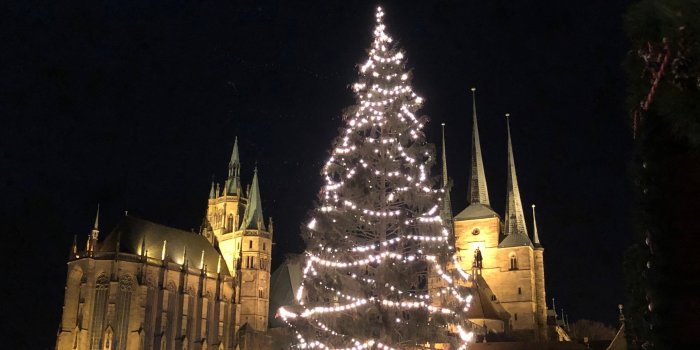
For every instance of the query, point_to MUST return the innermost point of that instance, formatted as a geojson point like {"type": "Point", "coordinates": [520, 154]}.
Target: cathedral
{"type": "Point", "coordinates": [149, 286]}
{"type": "Point", "coordinates": [506, 262]}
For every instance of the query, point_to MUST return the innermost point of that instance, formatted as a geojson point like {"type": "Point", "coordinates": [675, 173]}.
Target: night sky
{"type": "Point", "coordinates": [135, 105]}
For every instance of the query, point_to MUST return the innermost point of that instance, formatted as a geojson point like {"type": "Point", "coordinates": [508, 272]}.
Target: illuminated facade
{"type": "Point", "coordinates": [149, 286]}
{"type": "Point", "coordinates": [512, 265]}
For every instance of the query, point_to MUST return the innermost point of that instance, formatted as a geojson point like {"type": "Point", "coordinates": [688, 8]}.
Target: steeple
{"type": "Point", "coordinates": [515, 218]}
{"type": "Point", "coordinates": [96, 226]}
{"type": "Point", "coordinates": [233, 183]}
{"type": "Point", "coordinates": [253, 217]}
{"type": "Point", "coordinates": [95, 233]}
{"type": "Point", "coordinates": [478, 191]}
{"type": "Point", "coordinates": [535, 236]}
{"type": "Point", "coordinates": [447, 205]}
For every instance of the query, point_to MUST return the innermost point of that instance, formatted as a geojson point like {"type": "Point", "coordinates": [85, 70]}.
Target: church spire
{"type": "Point", "coordinates": [478, 191]}
{"type": "Point", "coordinates": [253, 216]}
{"type": "Point", "coordinates": [447, 205]}
{"type": "Point", "coordinates": [535, 236]}
{"type": "Point", "coordinates": [233, 183]}
{"type": "Point", "coordinates": [95, 233]}
{"type": "Point", "coordinates": [515, 218]}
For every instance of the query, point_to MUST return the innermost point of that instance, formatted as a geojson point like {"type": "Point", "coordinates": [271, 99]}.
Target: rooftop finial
{"type": "Point", "coordinates": [515, 218]}
{"type": "Point", "coordinates": [535, 235]}
{"type": "Point", "coordinates": [478, 191]}
{"type": "Point", "coordinates": [163, 252]}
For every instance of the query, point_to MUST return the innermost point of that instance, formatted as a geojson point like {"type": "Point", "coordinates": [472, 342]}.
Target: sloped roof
{"type": "Point", "coordinates": [476, 211]}
{"type": "Point", "coordinates": [515, 240]}
{"type": "Point", "coordinates": [131, 232]}
{"type": "Point", "coordinates": [482, 307]}
{"type": "Point", "coordinates": [253, 215]}
{"type": "Point", "coordinates": [284, 282]}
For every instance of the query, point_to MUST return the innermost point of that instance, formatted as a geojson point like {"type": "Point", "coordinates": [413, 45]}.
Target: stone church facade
{"type": "Point", "coordinates": [149, 286]}
{"type": "Point", "coordinates": [509, 284]}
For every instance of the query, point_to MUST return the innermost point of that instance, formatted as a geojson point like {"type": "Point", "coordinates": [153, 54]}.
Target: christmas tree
{"type": "Point", "coordinates": [377, 233]}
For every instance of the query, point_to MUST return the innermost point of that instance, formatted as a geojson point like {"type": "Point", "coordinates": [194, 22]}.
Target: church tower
{"type": "Point", "coordinates": [516, 285]}
{"type": "Point", "coordinates": [477, 226]}
{"type": "Point", "coordinates": [235, 223]}
{"type": "Point", "coordinates": [540, 295]}
{"type": "Point", "coordinates": [511, 264]}
{"type": "Point", "coordinates": [223, 212]}
{"type": "Point", "coordinates": [254, 256]}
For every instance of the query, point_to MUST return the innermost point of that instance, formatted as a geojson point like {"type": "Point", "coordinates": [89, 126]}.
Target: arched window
{"type": "Point", "coordinates": [126, 286]}
{"type": "Point", "coordinates": [98, 311]}
{"type": "Point", "coordinates": [493, 297]}
{"type": "Point", "coordinates": [513, 261]}
{"type": "Point", "coordinates": [108, 339]}
{"type": "Point", "coordinates": [229, 223]}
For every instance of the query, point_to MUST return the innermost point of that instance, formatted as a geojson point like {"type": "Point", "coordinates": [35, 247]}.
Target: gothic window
{"type": "Point", "coordinates": [99, 310]}
{"type": "Point", "coordinates": [261, 293]}
{"type": "Point", "coordinates": [229, 224]}
{"type": "Point", "coordinates": [108, 339]}
{"type": "Point", "coordinates": [493, 298]}
{"type": "Point", "coordinates": [126, 286]}
{"type": "Point", "coordinates": [513, 261]}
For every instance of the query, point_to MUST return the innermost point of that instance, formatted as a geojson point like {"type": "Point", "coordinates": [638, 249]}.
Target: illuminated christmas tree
{"type": "Point", "coordinates": [377, 232]}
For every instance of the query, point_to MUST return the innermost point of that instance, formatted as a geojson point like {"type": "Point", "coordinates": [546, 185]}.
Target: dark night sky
{"type": "Point", "coordinates": [135, 105]}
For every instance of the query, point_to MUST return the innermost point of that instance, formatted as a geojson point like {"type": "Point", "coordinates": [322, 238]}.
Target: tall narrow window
{"type": "Point", "coordinates": [98, 311]}
{"type": "Point", "coordinates": [520, 291]}
{"type": "Point", "coordinates": [513, 261]}
{"type": "Point", "coordinates": [126, 283]}
{"type": "Point", "coordinates": [108, 339]}
{"type": "Point", "coordinates": [264, 244]}
{"type": "Point", "coordinates": [516, 316]}
{"type": "Point", "coordinates": [229, 224]}
{"type": "Point", "coordinates": [250, 244]}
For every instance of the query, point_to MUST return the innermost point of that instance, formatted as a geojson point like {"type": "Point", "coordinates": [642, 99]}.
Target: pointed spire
{"type": "Point", "coordinates": [447, 202]}
{"type": "Point", "coordinates": [478, 191]}
{"type": "Point", "coordinates": [184, 258]}
{"type": "Point", "coordinates": [96, 227]}
{"type": "Point", "coordinates": [515, 218]}
{"type": "Point", "coordinates": [212, 193]}
{"type": "Point", "coordinates": [253, 216]}
{"type": "Point", "coordinates": [233, 183]}
{"type": "Point", "coordinates": [535, 236]}
{"type": "Point", "coordinates": [163, 253]}
{"type": "Point", "coordinates": [74, 247]}
{"type": "Point", "coordinates": [143, 247]}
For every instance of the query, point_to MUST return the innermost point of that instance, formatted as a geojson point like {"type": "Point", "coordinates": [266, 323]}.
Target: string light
{"type": "Point", "coordinates": [393, 231]}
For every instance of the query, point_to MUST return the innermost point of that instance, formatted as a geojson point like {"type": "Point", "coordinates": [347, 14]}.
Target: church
{"type": "Point", "coordinates": [149, 286]}
{"type": "Point", "coordinates": [506, 262]}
